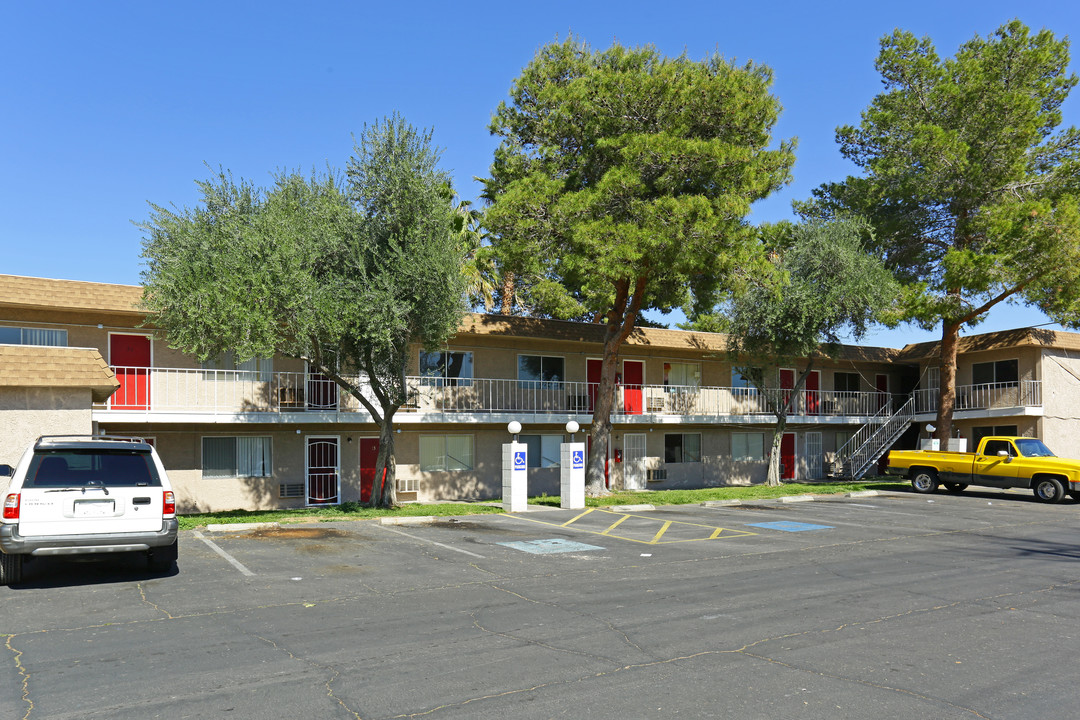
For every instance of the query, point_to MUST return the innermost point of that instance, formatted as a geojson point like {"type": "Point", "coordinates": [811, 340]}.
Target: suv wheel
{"type": "Point", "coordinates": [161, 559]}
{"type": "Point", "coordinates": [10, 568]}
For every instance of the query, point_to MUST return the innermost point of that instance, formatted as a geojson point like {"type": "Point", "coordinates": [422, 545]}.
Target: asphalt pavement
{"type": "Point", "coordinates": [898, 605]}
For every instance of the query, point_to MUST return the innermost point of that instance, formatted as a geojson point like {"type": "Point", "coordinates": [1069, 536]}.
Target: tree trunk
{"type": "Point", "coordinates": [506, 295]}
{"type": "Point", "coordinates": [600, 431]}
{"type": "Point", "coordinates": [773, 478]}
{"type": "Point", "coordinates": [950, 338]}
{"type": "Point", "coordinates": [384, 487]}
{"type": "Point", "coordinates": [621, 318]}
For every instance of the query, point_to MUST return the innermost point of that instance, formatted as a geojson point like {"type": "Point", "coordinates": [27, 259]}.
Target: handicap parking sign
{"type": "Point", "coordinates": [519, 459]}
{"type": "Point", "coordinates": [578, 460]}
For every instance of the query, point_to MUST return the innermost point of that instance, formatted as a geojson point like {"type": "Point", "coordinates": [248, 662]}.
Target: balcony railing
{"type": "Point", "coordinates": [993, 396]}
{"type": "Point", "coordinates": [166, 390]}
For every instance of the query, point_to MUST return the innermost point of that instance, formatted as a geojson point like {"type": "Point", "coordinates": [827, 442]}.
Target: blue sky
{"type": "Point", "coordinates": [107, 106]}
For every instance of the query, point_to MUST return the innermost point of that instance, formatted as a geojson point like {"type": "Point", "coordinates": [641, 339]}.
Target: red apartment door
{"type": "Point", "coordinates": [787, 456]}
{"type": "Point", "coordinates": [882, 384]}
{"type": "Point", "coordinates": [633, 379]}
{"type": "Point", "coordinates": [369, 458]}
{"type": "Point", "coordinates": [787, 382]}
{"type": "Point", "coordinates": [592, 379]}
{"type": "Point", "coordinates": [812, 393]}
{"type": "Point", "coordinates": [130, 356]}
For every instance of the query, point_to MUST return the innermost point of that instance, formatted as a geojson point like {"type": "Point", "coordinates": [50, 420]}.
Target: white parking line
{"type": "Point", "coordinates": [229, 558]}
{"type": "Point", "coordinates": [432, 542]}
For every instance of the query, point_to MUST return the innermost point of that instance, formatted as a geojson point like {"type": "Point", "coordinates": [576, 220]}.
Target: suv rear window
{"type": "Point", "coordinates": [91, 467]}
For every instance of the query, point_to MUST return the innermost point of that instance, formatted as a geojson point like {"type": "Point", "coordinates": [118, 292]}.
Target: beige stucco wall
{"type": "Point", "coordinates": [1061, 402]}
{"type": "Point", "coordinates": [27, 413]}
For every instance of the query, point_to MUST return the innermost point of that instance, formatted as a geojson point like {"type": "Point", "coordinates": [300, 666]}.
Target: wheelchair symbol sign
{"type": "Point", "coordinates": [519, 459]}
{"type": "Point", "coordinates": [578, 461]}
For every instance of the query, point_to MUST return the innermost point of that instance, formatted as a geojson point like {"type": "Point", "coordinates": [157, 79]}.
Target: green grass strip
{"type": "Point", "coordinates": [356, 511]}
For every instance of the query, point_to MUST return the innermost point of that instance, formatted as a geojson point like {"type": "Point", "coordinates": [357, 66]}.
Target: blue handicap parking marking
{"type": "Point", "coordinates": [579, 460]}
{"type": "Point", "coordinates": [787, 526]}
{"type": "Point", "coordinates": [519, 459]}
{"type": "Point", "coordinates": [548, 547]}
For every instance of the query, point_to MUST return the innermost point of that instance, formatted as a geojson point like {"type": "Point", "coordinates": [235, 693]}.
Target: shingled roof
{"type": "Point", "coordinates": [44, 293]}
{"type": "Point", "coordinates": [1020, 337]}
{"type": "Point", "coordinates": [57, 367]}
{"type": "Point", "coordinates": [512, 326]}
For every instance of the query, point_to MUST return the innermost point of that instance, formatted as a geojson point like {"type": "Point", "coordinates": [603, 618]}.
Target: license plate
{"type": "Point", "coordinates": [94, 508]}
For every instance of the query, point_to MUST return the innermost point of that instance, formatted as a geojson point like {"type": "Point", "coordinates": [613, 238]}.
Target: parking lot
{"type": "Point", "coordinates": [898, 605]}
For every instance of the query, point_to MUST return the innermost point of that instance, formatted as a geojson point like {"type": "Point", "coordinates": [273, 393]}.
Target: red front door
{"type": "Point", "coordinates": [130, 357]}
{"type": "Point", "coordinates": [787, 382]}
{"type": "Point", "coordinates": [633, 379]}
{"type": "Point", "coordinates": [592, 378]}
{"type": "Point", "coordinates": [812, 394]}
{"type": "Point", "coordinates": [882, 382]}
{"type": "Point", "coordinates": [369, 458]}
{"type": "Point", "coordinates": [787, 457]}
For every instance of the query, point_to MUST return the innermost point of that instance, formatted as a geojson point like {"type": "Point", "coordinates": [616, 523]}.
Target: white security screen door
{"type": "Point", "coordinates": [323, 469]}
{"type": "Point", "coordinates": [634, 461]}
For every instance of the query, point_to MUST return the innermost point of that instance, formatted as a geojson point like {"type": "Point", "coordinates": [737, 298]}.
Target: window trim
{"type": "Point", "coordinates": [557, 459]}
{"type": "Point", "coordinates": [682, 448]}
{"type": "Point", "coordinates": [747, 458]}
{"type": "Point", "coordinates": [443, 437]}
{"type": "Point", "coordinates": [269, 469]}
{"type": "Point", "coordinates": [60, 333]}
{"type": "Point", "coordinates": [440, 380]}
{"type": "Point", "coordinates": [695, 366]}
{"type": "Point", "coordinates": [994, 364]}
{"type": "Point", "coordinates": [541, 383]}
{"type": "Point", "coordinates": [847, 377]}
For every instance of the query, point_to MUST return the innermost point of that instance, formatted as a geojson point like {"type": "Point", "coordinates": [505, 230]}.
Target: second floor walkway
{"type": "Point", "coordinates": [233, 393]}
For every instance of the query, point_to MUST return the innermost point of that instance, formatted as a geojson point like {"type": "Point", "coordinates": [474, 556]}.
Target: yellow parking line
{"type": "Point", "coordinates": [716, 532]}
{"type": "Point", "coordinates": [616, 524]}
{"type": "Point", "coordinates": [574, 519]}
{"type": "Point", "coordinates": [660, 532]}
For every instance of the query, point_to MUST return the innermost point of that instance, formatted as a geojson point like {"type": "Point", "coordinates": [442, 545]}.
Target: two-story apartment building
{"type": "Point", "coordinates": [270, 433]}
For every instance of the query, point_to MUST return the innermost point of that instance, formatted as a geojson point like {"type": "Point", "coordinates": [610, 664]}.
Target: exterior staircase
{"type": "Point", "coordinates": [871, 441]}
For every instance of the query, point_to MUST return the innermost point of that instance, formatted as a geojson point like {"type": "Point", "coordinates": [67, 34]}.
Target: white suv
{"type": "Point", "coordinates": [78, 494]}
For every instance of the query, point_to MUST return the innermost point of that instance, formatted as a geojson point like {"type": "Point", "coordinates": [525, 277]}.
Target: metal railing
{"type": "Point", "coordinates": [871, 441]}
{"type": "Point", "coordinates": [172, 390]}
{"type": "Point", "coordinates": [991, 396]}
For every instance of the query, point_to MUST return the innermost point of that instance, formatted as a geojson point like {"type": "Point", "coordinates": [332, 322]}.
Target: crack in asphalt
{"type": "Point", "coordinates": [23, 673]}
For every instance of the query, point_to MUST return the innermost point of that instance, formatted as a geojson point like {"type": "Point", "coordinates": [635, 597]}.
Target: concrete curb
{"type": "Point", "coordinates": [796, 498]}
{"type": "Point", "coordinates": [240, 527]}
{"type": "Point", "coordinates": [720, 503]}
{"type": "Point", "coordinates": [631, 508]}
{"type": "Point", "coordinates": [408, 520]}
{"type": "Point", "coordinates": [863, 493]}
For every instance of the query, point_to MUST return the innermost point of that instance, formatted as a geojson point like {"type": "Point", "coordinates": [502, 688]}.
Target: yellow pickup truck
{"type": "Point", "coordinates": [1001, 462]}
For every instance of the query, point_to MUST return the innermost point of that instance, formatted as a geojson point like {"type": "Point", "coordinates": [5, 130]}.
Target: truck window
{"type": "Point", "coordinates": [1030, 447]}
{"type": "Point", "coordinates": [993, 447]}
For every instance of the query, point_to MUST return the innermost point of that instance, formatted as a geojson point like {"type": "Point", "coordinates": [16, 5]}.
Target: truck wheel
{"type": "Point", "coordinates": [1049, 490]}
{"type": "Point", "coordinates": [924, 481]}
{"type": "Point", "coordinates": [955, 487]}
{"type": "Point", "coordinates": [10, 568]}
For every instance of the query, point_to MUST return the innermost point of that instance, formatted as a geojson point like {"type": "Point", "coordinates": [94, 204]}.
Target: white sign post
{"type": "Point", "coordinates": [572, 492]}
{"type": "Point", "coordinates": [515, 461]}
